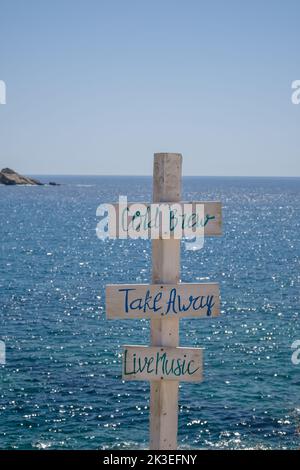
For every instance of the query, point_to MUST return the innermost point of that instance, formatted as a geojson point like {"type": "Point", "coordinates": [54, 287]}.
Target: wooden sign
{"type": "Point", "coordinates": [166, 300]}
{"type": "Point", "coordinates": [162, 301]}
{"type": "Point", "coordinates": [182, 217]}
{"type": "Point", "coordinates": [162, 363]}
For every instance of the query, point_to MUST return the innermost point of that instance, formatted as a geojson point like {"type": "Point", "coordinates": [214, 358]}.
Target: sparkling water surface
{"type": "Point", "coordinates": [61, 386]}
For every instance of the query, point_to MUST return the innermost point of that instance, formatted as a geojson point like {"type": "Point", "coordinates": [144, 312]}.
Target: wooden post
{"type": "Point", "coordinates": [165, 270]}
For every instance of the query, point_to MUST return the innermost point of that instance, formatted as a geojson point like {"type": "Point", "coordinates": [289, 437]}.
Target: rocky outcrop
{"type": "Point", "coordinates": [11, 177]}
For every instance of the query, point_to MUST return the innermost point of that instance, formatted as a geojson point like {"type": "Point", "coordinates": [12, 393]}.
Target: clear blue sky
{"type": "Point", "coordinates": [98, 86]}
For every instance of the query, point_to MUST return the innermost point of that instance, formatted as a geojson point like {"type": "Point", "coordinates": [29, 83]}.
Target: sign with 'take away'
{"type": "Point", "coordinates": [162, 301]}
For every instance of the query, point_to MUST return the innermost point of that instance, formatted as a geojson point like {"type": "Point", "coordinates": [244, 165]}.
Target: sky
{"type": "Point", "coordinates": [98, 86]}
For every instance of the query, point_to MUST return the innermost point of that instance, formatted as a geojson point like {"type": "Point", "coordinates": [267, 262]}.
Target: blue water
{"type": "Point", "coordinates": [62, 387]}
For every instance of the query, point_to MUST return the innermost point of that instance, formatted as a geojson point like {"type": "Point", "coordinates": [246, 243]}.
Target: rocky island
{"type": "Point", "coordinates": [10, 177]}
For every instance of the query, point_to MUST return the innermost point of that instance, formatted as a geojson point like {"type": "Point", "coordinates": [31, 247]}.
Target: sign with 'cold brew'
{"type": "Point", "coordinates": [162, 301]}
{"type": "Point", "coordinates": [162, 363]}
{"type": "Point", "coordinates": [160, 220]}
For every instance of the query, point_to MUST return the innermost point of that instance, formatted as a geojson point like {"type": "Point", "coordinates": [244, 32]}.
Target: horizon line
{"type": "Point", "coordinates": [146, 176]}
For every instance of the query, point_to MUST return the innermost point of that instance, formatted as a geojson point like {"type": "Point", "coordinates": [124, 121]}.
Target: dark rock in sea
{"type": "Point", "coordinates": [52, 183]}
{"type": "Point", "coordinates": [11, 177]}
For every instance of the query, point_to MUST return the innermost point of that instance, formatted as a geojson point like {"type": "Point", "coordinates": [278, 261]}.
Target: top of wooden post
{"type": "Point", "coordinates": [167, 177]}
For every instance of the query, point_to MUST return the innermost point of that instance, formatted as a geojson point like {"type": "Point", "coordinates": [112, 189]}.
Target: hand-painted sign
{"type": "Point", "coordinates": [162, 301]}
{"type": "Point", "coordinates": [160, 220]}
{"type": "Point", "coordinates": [162, 363]}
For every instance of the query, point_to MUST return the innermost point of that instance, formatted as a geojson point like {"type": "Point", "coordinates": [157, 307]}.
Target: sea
{"type": "Point", "coordinates": [61, 386]}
